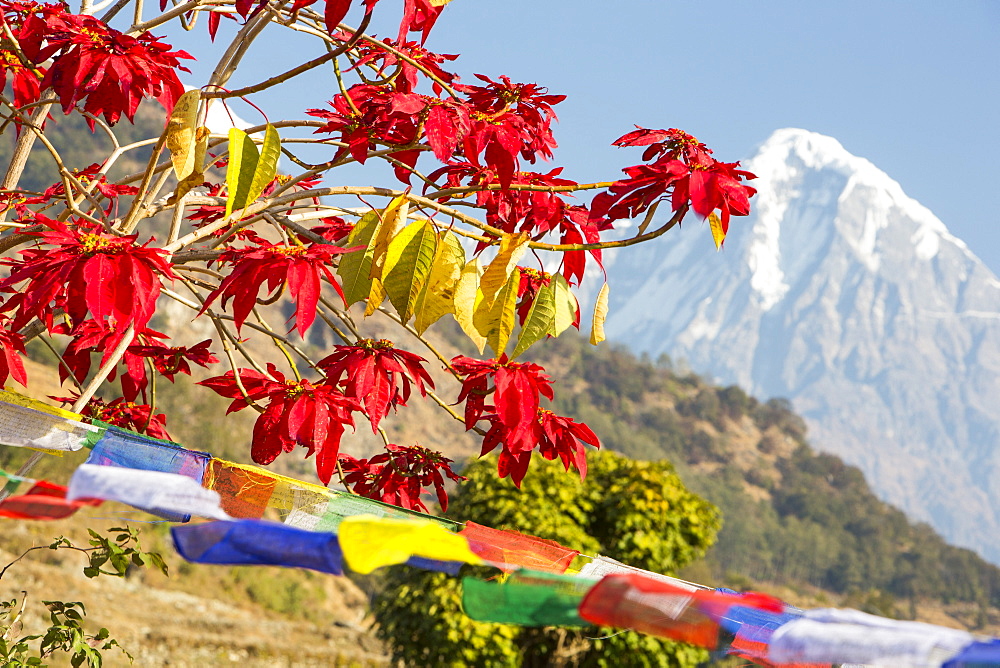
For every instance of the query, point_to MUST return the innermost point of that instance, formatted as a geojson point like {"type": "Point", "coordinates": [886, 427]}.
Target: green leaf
{"type": "Point", "coordinates": [566, 305]}
{"type": "Point", "coordinates": [540, 319]}
{"type": "Point", "coordinates": [437, 298]}
{"type": "Point", "coordinates": [267, 165]}
{"type": "Point", "coordinates": [408, 263]}
{"type": "Point", "coordinates": [157, 561]}
{"type": "Point", "coordinates": [243, 159]}
{"type": "Point", "coordinates": [355, 266]}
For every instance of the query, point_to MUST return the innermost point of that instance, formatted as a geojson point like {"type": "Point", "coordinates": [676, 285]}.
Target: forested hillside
{"type": "Point", "coordinates": [78, 148]}
{"type": "Point", "coordinates": [791, 516]}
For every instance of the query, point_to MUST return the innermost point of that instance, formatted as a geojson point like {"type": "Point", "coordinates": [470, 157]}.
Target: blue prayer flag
{"type": "Point", "coordinates": [258, 542]}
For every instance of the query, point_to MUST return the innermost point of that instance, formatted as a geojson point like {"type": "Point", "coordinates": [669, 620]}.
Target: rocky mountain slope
{"type": "Point", "coordinates": [854, 301]}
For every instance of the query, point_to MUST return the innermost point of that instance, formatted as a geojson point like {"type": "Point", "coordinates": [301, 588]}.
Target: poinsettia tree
{"type": "Point", "coordinates": [477, 226]}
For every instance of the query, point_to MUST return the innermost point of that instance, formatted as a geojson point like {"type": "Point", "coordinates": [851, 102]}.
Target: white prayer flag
{"type": "Point", "coordinates": [165, 494]}
{"type": "Point", "coordinates": [601, 566]}
{"type": "Point", "coordinates": [49, 430]}
{"type": "Point", "coordinates": [828, 635]}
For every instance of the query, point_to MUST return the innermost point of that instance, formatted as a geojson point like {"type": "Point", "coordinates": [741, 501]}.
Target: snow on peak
{"type": "Point", "coordinates": [781, 164]}
{"type": "Point", "coordinates": [812, 150]}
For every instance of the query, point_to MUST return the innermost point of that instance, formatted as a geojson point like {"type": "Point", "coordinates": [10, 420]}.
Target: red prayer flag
{"type": "Point", "coordinates": [655, 607]}
{"type": "Point", "coordinates": [511, 550]}
{"type": "Point", "coordinates": [44, 501]}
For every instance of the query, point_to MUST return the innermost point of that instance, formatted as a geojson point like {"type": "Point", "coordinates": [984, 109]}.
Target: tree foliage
{"type": "Point", "coordinates": [211, 225]}
{"type": "Point", "coordinates": [637, 512]}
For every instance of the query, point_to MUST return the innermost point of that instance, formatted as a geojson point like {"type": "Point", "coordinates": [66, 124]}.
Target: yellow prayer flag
{"type": "Point", "coordinates": [370, 542]}
{"type": "Point", "coordinates": [27, 402]}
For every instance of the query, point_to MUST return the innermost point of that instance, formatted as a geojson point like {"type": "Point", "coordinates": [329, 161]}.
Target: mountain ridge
{"type": "Point", "coordinates": [850, 298]}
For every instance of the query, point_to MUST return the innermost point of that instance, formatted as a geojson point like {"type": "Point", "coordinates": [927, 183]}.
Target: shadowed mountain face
{"type": "Point", "coordinates": [851, 299]}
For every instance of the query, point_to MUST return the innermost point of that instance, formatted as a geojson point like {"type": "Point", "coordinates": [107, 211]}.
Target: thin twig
{"type": "Point", "coordinates": [105, 369]}
{"type": "Point", "coordinates": [295, 71]}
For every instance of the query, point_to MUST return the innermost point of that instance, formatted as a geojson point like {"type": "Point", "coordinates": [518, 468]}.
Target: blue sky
{"type": "Point", "coordinates": [913, 86]}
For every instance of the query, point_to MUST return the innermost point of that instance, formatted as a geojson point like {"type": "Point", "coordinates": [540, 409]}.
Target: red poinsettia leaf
{"type": "Point", "coordinates": [298, 415]}
{"type": "Point", "coordinates": [304, 286]}
{"type": "Point", "coordinates": [99, 274]}
{"type": "Point", "coordinates": [362, 377]}
{"type": "Point", "coordinates": [334, 13]}
{"type": "Point", "coordinates": [574, 262]}
{"type": "Point", "coordinates": [320, 422]}
{"type": "Point", "coordinates": [11, 364]}
{"type": "Point", "coordinates": [146, 290]}
{"type": "Point", "coordinates": [378, 399]}
{"type": "Point", "coordinates": [502, 162]}
{"type": "Point", "coordinates": [641, 137]}
{"type": "Point", "coordinates": [516, 397]}
{"type": "Point", "coordinates": [442, 132]}
{"type": "Point", "coordinates": [326, 457]}
{"type": "Point", "coordinates": [442, 495]}
{"type": "Point", "coordinates": [513, 465]}
{"type": "Point", "coordinates": [267, 443]}
{"type": "Point", "coordinates": [213, 24]}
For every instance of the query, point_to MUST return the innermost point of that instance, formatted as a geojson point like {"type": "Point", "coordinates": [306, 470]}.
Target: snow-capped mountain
{"type": "Point", "coordinates": [851, 299]}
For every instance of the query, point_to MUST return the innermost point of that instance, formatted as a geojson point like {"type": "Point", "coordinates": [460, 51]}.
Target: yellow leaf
{"type": "Point", "coordinates": [503, 314]}
{"type": "Point", "coordinates": [566, 305]}
{"type": "Point", "coordinates": [183, 141]}
{"type": "Point", "coordinates": [600, 313]}
{"type": "Point", "coordinates": [512, 247]}
{"type": "Point", "coordinates": [197, 177]}
{"type": "Point", "coordinates": [467, 299]}
{"type": "Point", "coordinates": [393, 217]}
{"type": "Point", "coordinates": [375, 297]}
{"type": "Point", "coordinates": [408, 261]}
{"type": "Point", "coordinates": [718, 235]}
{"type": "Point", "coordinates": [438, 295]}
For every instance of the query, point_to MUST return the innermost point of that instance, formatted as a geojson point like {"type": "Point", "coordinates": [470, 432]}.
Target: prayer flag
{"type": "Point", "coordinates": [827, 635]}
{"type": "Point", "coordinates": [372, 542]}
{"type": "Point", "coordinates": [647, 605]}
{"type": "Point", "coordinates": [527, 598]}
{"type": "Point", "coordinates": [159, 493]}
{"type": "Point", "coordinates": [509, 550]}
{"type": "Point", "coordinates": [44, 501]}
{"type": "Point", "coordinates": [600, 566]}
{"type": "Point", "coordinates": [980, 654]}
{"type": "Point", "coordinates": [27, 423]}
{"type": "Point", "coordinates": [127, 449]}
{"type": "Point", "coordinates": [244, 492]}
{"type": "Point", "coordinates": [258, 542]}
